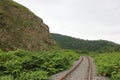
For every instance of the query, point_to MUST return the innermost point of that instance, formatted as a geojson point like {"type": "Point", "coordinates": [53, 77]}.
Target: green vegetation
{"type": "Point", "coordinates": [106, 54]}
{"type": "Point", "coordinates": [81, 45]}
{"type": "Point", "coordinates": [108, 64]}
{"type": "Point", "coordinates": [22, 29]}
{"type": "Point", "coordinates": [24, 65]}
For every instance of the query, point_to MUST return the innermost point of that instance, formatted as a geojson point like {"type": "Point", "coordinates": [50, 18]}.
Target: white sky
{"type": "Point", "coordinates": [84, 19]}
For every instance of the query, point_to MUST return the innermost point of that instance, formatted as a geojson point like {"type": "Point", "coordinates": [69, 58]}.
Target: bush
{"type": "Point", "coordinates": [108, 64]}
{"type": "Point", "coordinates": [36, 75]}
{"type": "Point", "coordinates": [25, 65]}
{"type": "Point", "coordinates": [7, 77]}
{"type": "Point", "coordinates": [116, 76]}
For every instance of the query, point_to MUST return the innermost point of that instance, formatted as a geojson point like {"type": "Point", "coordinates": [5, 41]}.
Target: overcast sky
{"type": "Point", "coordinates": [85, 19]}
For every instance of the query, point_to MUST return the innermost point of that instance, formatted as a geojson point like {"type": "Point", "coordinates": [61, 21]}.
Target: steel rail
{"type": "Point", "coordinates": [89, 69]}
{"type": "Point", "coordinates": [89, 75]}
{"type": "Point", "coordinates": [65, 76]}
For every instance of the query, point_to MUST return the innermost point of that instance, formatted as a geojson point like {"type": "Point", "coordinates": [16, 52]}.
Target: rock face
{"type": "Point", "coordinates": [20, 28]}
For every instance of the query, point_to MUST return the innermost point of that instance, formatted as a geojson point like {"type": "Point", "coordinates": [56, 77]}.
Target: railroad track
{"type": "Point", "coordinates": [88, 70]}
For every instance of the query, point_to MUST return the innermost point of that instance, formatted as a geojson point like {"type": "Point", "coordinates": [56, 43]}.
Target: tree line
{"type": "Point", "coordinates": [68, 42]}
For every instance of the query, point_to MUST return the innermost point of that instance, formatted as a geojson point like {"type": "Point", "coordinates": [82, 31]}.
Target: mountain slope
{"type": "Point", "coordinates": [68, 42]}
{"type": "Point", "coordinates": [20, 28]}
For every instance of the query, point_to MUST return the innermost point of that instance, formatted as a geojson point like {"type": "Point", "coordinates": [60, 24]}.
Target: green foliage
{"type": "Point", "coordinates": [36, 75]}
{"type": "Point", "coordinates": [82, 51]}
{"type": "Point", "coordinates": [24, 65]}
{"type": "Point", "coordinates": [8, 77]}
{"type": "Point", "coordinates": [63, 60]}
{"type": "Point", "coordinates": [116, 76]}
{"type": "Point", "coordinates": [108, 64]}
{"type": "Point", "coordinates": [100, 46]}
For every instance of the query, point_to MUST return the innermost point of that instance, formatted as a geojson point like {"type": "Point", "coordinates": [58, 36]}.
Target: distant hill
{"type": "Point", "coordinates": [68, 42]}
{"type": "Point", "coordinates": [20, 28]}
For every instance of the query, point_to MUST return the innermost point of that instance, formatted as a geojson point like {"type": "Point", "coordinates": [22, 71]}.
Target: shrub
{"type": "Point", "coordinates": [25, 65]}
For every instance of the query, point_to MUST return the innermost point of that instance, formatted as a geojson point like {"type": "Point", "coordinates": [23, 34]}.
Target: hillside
{"type": "Point", "coordinates": [68, 42]}
{"type": "Point", "coordinates": [20, 28]}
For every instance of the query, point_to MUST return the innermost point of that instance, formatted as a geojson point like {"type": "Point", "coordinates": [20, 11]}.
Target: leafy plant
{"type": "Point", "coordinates": [108, 64]}
{"type": "Point", "coordinates": [25, 65]}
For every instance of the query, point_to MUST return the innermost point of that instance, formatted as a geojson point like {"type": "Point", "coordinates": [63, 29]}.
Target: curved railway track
{"type": "Point", "coordinates": [89, 69]}
{"type": "Point", "coordinates": [88, 74]}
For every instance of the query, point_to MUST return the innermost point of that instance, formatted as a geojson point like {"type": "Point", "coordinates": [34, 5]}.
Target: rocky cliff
{"type": "Point", "coordinates": [20, 28]}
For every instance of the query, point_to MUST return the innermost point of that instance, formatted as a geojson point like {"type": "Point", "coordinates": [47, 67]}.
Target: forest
{"type": "Point", "coordinates": [81, 45]}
